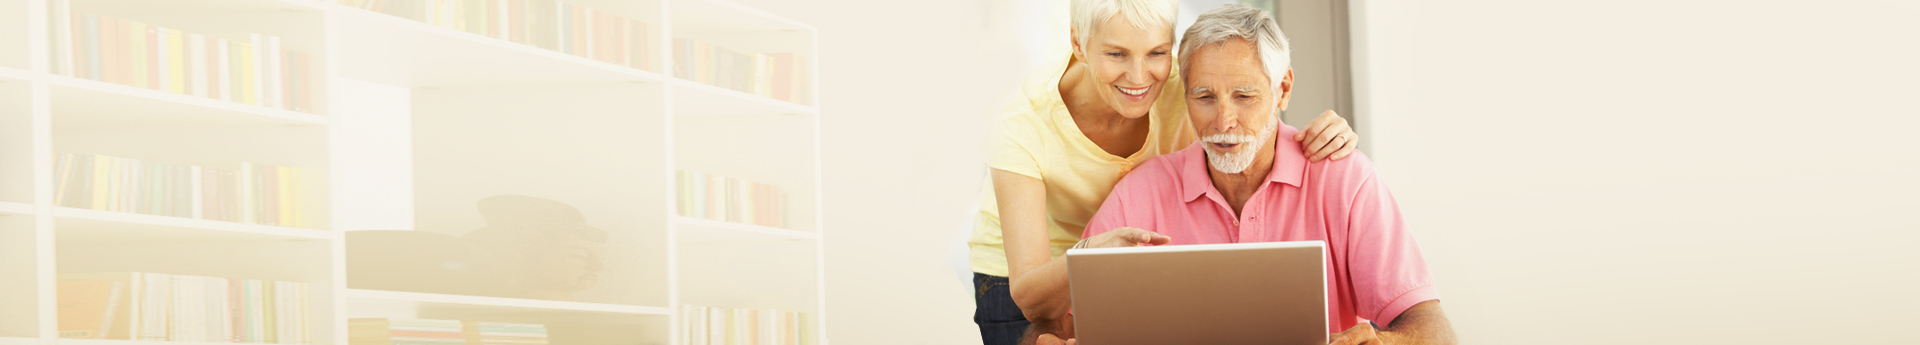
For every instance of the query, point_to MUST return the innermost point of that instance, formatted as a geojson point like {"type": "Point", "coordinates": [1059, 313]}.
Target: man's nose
{"type": "Point", "coordinates": [1228, 120]}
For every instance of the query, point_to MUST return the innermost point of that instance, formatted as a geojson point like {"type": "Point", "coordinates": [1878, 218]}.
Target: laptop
{"type": "Point", "coordinates": [1241, 293]}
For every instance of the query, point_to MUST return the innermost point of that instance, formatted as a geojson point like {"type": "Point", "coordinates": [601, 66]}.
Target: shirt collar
{"type": "Point", "coordinates": [1289, 165]}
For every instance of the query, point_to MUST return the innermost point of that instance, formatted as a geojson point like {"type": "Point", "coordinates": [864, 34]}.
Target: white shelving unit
{"type": "Point", "coordinates": [416, 122]}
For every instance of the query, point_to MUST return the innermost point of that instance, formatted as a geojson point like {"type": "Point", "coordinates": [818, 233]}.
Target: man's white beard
{"type": "Point", "coordinates": [1234, 163]}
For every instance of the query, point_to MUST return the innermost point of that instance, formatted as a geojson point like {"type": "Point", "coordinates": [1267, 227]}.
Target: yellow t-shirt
{"type": "Point", "coordinates": [1035, 136]}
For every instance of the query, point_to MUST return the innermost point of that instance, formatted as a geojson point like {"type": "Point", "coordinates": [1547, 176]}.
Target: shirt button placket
{"type": "Point", "coordinates": [1252, 222]}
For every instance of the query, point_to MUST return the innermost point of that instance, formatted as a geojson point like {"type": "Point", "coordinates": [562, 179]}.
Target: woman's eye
{"type": "Point", "coordinates": [1117, 54]}
{"type": "Point", "coordinates": [1158, 53]}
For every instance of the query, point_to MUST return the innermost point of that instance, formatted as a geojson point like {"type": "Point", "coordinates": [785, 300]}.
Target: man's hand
{"type": "Point", "coordinates": [1361, 334]}
{"type": "Point", "coordinates": [1328, 136]}
{"type": "Point", "coordinates": [1127, 237]}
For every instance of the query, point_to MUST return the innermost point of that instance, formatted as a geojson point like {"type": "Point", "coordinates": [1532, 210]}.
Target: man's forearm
{"type": "Point", "coordinates": [1423, 324]}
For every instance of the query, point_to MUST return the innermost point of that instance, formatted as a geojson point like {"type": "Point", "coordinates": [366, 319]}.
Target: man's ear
{"type": "Point", "coordinates": [1286, 89]}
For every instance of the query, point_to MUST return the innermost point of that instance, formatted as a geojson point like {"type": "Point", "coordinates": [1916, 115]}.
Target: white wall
{"type": "Point", "coordinates": [1610, 172]}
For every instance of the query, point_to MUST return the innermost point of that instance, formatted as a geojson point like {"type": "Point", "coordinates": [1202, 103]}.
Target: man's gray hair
{"type": "Point", "coordinates": [1242, 22]}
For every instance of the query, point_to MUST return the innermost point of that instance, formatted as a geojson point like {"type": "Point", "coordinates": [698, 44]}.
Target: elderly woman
{"type": "Point", "coordinates": [1082, 123]}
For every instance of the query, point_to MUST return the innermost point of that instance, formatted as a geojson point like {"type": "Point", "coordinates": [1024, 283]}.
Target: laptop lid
{"type": "Point", "coordinates": [1241, 293]}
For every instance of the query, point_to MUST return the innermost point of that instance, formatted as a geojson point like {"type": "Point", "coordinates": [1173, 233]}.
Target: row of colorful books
{"type": "Point", "coordinates": [385, 331]}
{"type": "Point", "coordinates": [548, 24]}
{"type": "Point", "coordinates": [243, 67]}
{"type": "Point", "coordinates": [773, 75]}
{"type": "Point", "coordinates": [708, 196]}
{"type": "Point", "coordinates": [157, 306]}
{"type": "Point", "coordinates": [739, 326]}
{"type": "Point", "coordinates": [241, 192]}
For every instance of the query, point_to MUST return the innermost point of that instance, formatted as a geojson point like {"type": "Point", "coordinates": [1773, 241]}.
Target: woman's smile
{"type": "Point", "coordinates": [1132, 94]}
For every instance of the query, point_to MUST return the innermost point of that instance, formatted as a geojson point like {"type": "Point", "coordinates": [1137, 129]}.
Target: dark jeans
{"type": "Point", "coordinates": [1000, 320]}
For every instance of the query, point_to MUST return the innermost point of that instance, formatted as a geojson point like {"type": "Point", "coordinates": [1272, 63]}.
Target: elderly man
{"type": "Point", "coordinates": [1238, 184]}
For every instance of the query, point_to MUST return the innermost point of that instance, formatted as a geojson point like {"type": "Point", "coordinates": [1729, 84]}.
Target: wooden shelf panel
{"type": "Point", "coordinates": [64, 341]}
{"type": "Point", "coordinates": [84, 227]}
{"type": "Point", "coordinates": [7, 208]}
{"type": "Point", "coordinates": [16, 74]}
{"type": "Point", "coordinates": [397, 51]}
{"type": "Point", "coordinates": [177, 7]}
{"type": "Point", "coordinates": [693, 98]}
{"type": "Point", "coordinates": [88, 105]}
{"type": "Point", "coordinates": [480, 307]}
{"type": "Point", "coordinates": [61, 341]}
{"type": "Point", "coordinates": [708, 230]}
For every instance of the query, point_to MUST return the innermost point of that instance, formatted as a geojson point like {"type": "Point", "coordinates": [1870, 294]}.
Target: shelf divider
{"type": "Point", "coordinates": [96, 227]}
{"type": "Point", "coordinates": [506, 303]}
{"type": "Point", "coordinates": [708, 230]}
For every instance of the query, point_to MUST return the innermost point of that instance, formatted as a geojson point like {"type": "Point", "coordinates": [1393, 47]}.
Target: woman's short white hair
{"type": "Point", "coordinates": [1142, 13]}
{"type": "Point", "coordinates": [1236, 21]}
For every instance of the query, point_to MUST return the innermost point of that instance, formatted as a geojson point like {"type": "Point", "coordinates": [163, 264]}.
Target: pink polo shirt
{"type": "Point", "coordinates": [1375, 270]}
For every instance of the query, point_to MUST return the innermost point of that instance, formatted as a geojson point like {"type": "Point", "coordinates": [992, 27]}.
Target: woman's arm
{"type": "Point", "coordinates": [1037, 286]}
{"type": "Point", "coordinates": [1327, 137]}
{"type": "Point", "coordinates": [1039, 283]}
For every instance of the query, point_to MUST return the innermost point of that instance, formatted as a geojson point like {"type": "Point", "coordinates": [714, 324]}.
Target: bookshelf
{"type": "Point", "coordinates": [409, 125]}
{"type": "Point", "coordinates": [413, 55]}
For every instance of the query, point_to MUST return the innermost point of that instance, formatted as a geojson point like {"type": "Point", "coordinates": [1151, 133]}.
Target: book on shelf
{"type": "Point", "coordinates": [88, 308]}
{"type": "Point", "coordinates": [504, 333]}
{"type": "Point", "coordinates": [715, 197]}
{"type": "Point", "coordinates": [772, 75]}
{"type": "Point", "coordinates": [383, 331]}
{"type": "Point", "coordinates": [243, 192]}
{"type": "Point", "coordinates": [248, 68]}
{"type": "Point", "coordinates": [548, 24]}
{"type": "Point", "coordinates": [168, 307]}
{"type": "Point", "coordinates": [740, 326]}
{"type": "Point", "coordinates": [386, 331]}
